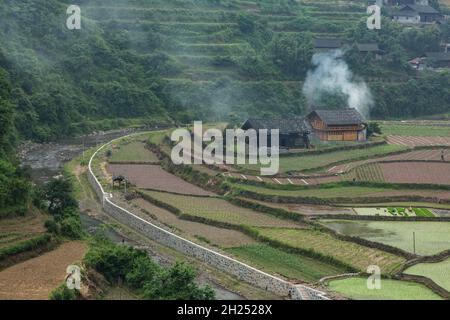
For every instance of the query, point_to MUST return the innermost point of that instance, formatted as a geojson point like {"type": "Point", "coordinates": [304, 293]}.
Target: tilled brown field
{"type": "Point", "coordinates": [417, 172]}
{"type": "Point", "coordinates": [14, 230]}
{"type": "Point", "coordinates": [34, 279]}
{"type": "Point", "coordinates": [222, 237]}
{"type": "Point", "coordinates": [305, 209]}
{"type": "Point", "coordinates": [420, 155]}
{"type": "Point", "coordinates": [154, 177]}
{"type": "Point", "coordinates": [312, 180]}
{"type": "Point", "coordinates": [411, 141]}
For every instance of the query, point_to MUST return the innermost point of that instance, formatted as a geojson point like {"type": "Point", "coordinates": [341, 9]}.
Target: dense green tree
{"type": "Point", "coordinates": [292, 54]}
{"type": "Point", "coordinates": [59, 194]}
{"type": "Point", "coordinates": [176, 283]}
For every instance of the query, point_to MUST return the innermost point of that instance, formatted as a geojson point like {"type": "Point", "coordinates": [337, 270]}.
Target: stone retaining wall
{"type": "Point", "coordinates": [229, 265]}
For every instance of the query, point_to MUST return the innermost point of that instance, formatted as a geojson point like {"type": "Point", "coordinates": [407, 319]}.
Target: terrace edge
{"type": "Point", "coordinates": [229, 265]}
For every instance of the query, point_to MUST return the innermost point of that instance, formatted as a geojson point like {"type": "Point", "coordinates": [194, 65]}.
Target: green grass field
{"type": "Point", "coordinates": [438, 272]}
{"type": "Point", "coordinates": [134, 151]}
{"type": "Point", "coordinates": [415, 130]}
{"type": "Point", "coordinates": [219, 210]}
{"type": "Point", "coordinates": [356, 288]}
{"type": "Point", "coordinates": [431, 237]}
{"type": "Point", "coordinates": [309, 162]}
{"type": "Point", "coordinates": [289, 265]}
{"type": "Point", "coordinates": [353, 254]}
{"type": "Point", "coordinates": [327, 192]}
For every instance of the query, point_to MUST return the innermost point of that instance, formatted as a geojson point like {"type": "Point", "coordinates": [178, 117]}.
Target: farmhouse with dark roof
{"type": "Point", "coordinates": [413, 13]}
{"type": "Point", "coordinates": [294, 132]}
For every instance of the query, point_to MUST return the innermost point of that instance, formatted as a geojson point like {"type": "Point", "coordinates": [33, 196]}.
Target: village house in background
{"type": "Point", "coordinates": [415, 14]}
{"type": "Point", "coordinates": [327, 44]}
{"type": "Point", "coordinates": [370, 48]}
{"type": "Point", "coordinates": [294, 132]}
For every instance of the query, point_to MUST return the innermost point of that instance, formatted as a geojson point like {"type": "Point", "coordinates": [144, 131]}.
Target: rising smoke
{"type": "Point", "coordinates": [331, 75]}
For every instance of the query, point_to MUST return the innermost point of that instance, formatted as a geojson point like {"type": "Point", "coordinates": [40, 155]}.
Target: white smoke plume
{"type": "Point", "coordinates": [332, 75]}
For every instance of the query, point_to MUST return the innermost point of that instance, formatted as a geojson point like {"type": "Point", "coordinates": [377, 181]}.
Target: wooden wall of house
{"type": "Point", "coordinates": [317, 123]}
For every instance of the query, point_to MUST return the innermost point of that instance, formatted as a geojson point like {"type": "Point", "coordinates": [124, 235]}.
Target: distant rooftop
{"type": "Point", "coordinates": [438, 56]}
{"type": "Point", "coordinates": [368, 47]}
{"type": "Point", "coordinates": [327, 43]}
{"type": "Point", "coordinates": [419, 8]}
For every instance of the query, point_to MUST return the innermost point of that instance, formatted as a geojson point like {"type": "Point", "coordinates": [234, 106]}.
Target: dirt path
{"type": "Point", "coordinates": [34, 279]}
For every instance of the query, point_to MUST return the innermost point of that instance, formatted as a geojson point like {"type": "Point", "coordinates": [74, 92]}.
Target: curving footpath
{"type": "Point", "coordinates": [238, 269]}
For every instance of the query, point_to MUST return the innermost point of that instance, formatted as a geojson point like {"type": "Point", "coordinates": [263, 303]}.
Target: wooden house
{"type": "Point", "coordinates": [294, 132]}
{"type": "Point", "coordinates": [338, 125]}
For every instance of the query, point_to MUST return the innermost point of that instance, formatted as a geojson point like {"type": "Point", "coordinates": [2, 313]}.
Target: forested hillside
{"type": "Point", "coordinates": [159, 60]}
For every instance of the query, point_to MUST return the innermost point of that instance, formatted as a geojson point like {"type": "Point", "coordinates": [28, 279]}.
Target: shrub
{"type": "Point", "coordinates": [139, 272]}
{"type": "Point", "coordinates": [52, 226]}
{"type": "Point", "coordinates": [63, 293]}
{"type": "Point", "coordinates": [71, 228]}
{"type": "Point", "coordinates": [177, 283]}
{"type": "Point", "coordinates": [26, 245]}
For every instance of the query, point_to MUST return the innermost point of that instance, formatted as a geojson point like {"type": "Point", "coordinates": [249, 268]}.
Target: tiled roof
{"type": "Point", "coordinates": [286, 126]}
{"type": "Point", "coordinates": [327, 43]}
{"type": "Point", "coordinates": [347, 116]}
{"type": "Point", "coordinates": [368, 47]}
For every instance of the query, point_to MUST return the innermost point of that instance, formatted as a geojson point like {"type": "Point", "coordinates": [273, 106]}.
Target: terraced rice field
{"type": "Point", "coordinates": [358, 256]}
{"type": "Point", "coordinates": [220, 210]}
{"type": "Point", "coordinates": [154, 177]}
{"type": "Point", "coordinates": [424, 129]}
{"type": "Point", "coordinates": [430, 237]}
{"type": "Point", "coordinates": [438, 272]}
{"type": "Point", "coordinates": [223, 238]}
{"type": "Point", "coordinates": [356, 288]}
{"type": "Point", "coordinates": [371, 172]}
{"type": "Point", "coordinates": [310, 162]}
{"type": "Point", "coordinates": [204, 41]}
{"type": "Point", "coordinates": [18, 229]}
{"type": "Point", "coordinates": [132, 152]}
{"type": "Point", "coordinates": [415, 141]}
{"type": "Point", "coordinates": [345, 192]}
{"type": "Point", "coordinates": [416, 172]}
{"type": "Point", "coordinates": [421, 155]}
{"type": "Point", "coordinates": [288, 265]}
{"type": "Point", "coordinates": [308, 210]}
{"type": "Point", "coordinates": [391, 211]}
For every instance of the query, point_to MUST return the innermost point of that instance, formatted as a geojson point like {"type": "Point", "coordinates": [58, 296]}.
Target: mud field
{"type": "Point", "coordinates": [411, 141]}
{"type": "Point", "coordinates": [421, 155]}
{"type": "Point", "coordinates": [417, 172]}
{"type": "Point", "coordinates": [34, 279]}
{"type": "Point", "coordinates": [154, 177]}
{"type": "Point", "coordinates": [224, 238]}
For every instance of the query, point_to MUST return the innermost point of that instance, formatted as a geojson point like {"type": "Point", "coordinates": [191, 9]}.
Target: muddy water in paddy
{"type": "Point", "coordinates": [357, 229]}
